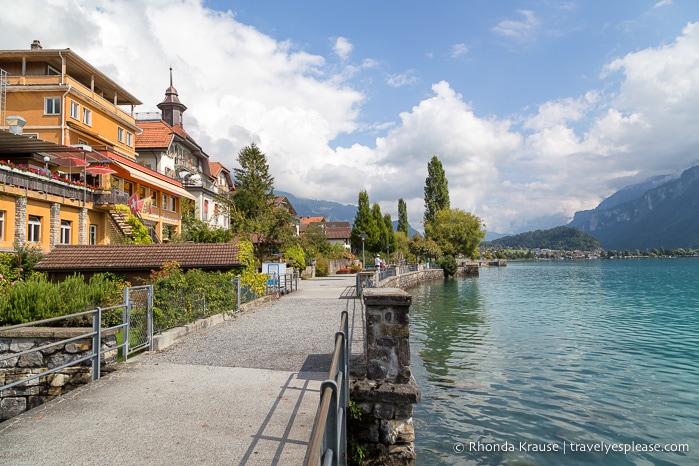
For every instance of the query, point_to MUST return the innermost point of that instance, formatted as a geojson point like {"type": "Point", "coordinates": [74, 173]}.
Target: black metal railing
{"type": "Point", "coordinates": [328, 445]}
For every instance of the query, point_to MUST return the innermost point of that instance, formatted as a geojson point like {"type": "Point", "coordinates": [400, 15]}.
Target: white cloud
{"type": "Point", "coordinates": [662, 3]}
{"type": "Point", "coordinates": [404, 79]}
{"type": "Point", "coordinates": [242, 86]}
{"type": "Point", "coordinates": [459, 50]}
{"type": "Point", "coordinates": [519, 30]}
{"type": "Point", "coordinates": [343, 48]}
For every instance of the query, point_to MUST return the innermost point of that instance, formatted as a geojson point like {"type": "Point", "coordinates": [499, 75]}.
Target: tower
{"type": "Point", "coordinates": [171, 106]}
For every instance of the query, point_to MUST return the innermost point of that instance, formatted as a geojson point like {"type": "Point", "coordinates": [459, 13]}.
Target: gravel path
{"type": "Point", "coordinates": [293, 333]}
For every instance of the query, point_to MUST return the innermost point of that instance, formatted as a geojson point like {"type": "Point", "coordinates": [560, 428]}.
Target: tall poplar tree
{"type": "Point", "coordinates": [402, 217]}
{"type": "Point", "coordinates": [363, 223]}
{"type": "Point", "coordinates": [436, 190]}
{"type": "Point", "coordinates": [390, 243]}
{"type": "Point", "coordinates": [378, 242]}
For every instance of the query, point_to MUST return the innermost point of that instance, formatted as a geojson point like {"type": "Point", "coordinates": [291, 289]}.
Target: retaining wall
{"type": "Point", "coordinates": [23, 397]}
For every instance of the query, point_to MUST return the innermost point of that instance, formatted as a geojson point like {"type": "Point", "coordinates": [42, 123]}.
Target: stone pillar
{"type": "Point", "coordinates": [21, 220]}
{"type": "Point", "coordinates": [385, 394]}
{"type": "Point", "coordinates": [55, 225]}
{"type": "Point", "coordinates": [83, 227]}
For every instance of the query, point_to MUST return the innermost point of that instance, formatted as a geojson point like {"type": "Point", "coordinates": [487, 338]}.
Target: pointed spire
{"type": "Point", "coordinates": [171, 106]}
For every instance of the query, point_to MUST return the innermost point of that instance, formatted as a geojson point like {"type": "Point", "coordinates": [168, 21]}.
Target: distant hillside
{"type": "Point", "coordinates": [665, 215]}
{"type": "Point", "coordinates": [562, 238]}
{"type": "Point", "coordinates": [331, 211]}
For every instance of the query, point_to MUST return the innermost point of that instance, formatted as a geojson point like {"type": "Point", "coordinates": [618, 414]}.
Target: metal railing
{"type": "Point", "coordinates": [328, 445]}
{"type": "Point", "coordinates": [126, 326]}
{"type": "Point", "coordinates": [283, 284]}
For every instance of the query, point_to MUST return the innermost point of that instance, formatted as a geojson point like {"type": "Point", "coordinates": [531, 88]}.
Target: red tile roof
{"type": "Point", "coordinates": [155, 134]}
{"type": "Point", "coordinates": [307, 220]}
{"type": "Point", "coordinates": [140, 256]}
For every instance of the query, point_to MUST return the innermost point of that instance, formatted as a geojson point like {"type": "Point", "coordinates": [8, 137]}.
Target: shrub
{"type": "Point", "coordinates": [322, 269]}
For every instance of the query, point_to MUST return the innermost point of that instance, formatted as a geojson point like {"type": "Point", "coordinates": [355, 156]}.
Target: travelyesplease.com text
{"type": "Point", "coordinates": [569, 447]}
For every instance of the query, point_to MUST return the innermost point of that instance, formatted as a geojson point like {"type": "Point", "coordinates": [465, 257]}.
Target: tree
{"type": "Point", "coordinates": [436, 190]}
{"type": "Point", "coordinates": [423, 247]}
{"type": "Point", "coordinates": [363, 223]}
{"type": "Point", "coordinates": [377, 243]}
{"type": "Point", "coordinates": [456, 232]}
{"type": "Point", "coordinates": [402, 246]}
{"type": "Point", "coordinates": [390, 238]}
{"type": "Point", "coordinates": [403, 217]}
{"type": "Point", "coordinates": [254, 188]}
{"type": "Point", "coordinates": [198, 231]}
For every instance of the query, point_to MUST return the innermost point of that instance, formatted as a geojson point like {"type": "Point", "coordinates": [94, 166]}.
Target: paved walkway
{"type": "Point", "coordinates": [244, 392]}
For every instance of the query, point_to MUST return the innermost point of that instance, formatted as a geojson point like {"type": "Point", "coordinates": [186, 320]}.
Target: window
{"type": "Point", "coordinates": [51, 71]}
{"type": "Point", "coordinates": [34, 229]}
{"type": "Point", "coordinates": [52, 105]}
{"type": "Point", "coordinates": [120, 134]}
{"type": "Point", "coordinates": [171, 205]}
{"type": "Point", "coordinates": [154, 194]}
{"type": "Point", "coordinates": [164, 203]}
{"type": "Point", "coordinates": [129, 139]}
{"type": "Point", "coordinates": [74, 110]}
{"type": "Point", "coordinates": [87, 116]}
{"type": "Point", "coordinates": [93, 234]}
{"type": "Point", "coordinates": [65, 232]}
{"type": "Point", "coordinates": [2, 225]}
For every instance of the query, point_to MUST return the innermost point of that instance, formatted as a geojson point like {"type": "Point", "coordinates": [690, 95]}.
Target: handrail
{"type": "Point", "coordinates": [328, 444]}
{"type": "Point", "coordinates": [94, 334]}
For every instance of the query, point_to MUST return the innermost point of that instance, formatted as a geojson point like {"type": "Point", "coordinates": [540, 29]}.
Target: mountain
{"type": "Point", "coordinates": [561, 238]}
{"type": "Point", "coordinates": [331, 211]}
{"type": "Point", "coordinates": [660, 213]}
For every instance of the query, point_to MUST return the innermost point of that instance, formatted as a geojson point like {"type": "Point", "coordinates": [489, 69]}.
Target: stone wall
{"type": "Point", "coordinates": [384, 394]}
{"type": "Point", "coordinates": [29, 395]}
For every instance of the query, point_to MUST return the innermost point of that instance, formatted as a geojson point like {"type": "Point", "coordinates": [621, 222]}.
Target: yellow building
{"type": "Point", "coordinates": [71, 158]}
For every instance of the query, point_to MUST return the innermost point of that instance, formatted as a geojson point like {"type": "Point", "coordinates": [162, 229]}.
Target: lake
{"type": "Point", "coordinates": [562, 362]}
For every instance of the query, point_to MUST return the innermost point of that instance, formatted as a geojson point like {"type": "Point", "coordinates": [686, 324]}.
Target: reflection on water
{"type": "Point", "coordinates": [558, 354]}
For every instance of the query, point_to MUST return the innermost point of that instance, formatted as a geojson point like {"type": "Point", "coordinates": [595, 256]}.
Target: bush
{"type": "Point", "coordinates": [322, 269]}
{"type": "Point", "coordinates": [449, 266]}
{"type": "Point", "coordinates": [37, 298]}
{"type": "Point", "coordinates": [183, 297]}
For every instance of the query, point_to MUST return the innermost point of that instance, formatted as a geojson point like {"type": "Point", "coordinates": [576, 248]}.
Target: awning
{"type": "Point", "coordinates": [153, 181]}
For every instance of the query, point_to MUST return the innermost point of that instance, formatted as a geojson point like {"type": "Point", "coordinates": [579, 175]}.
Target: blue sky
{"type": "Point", "coordinates": [537, 109]}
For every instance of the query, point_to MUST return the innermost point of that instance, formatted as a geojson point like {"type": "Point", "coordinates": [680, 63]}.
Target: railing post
{"type": "Point", "coordinates": [239, 289]}
{"type": "Point", "coordinates": [331, 439]}
{"type": "Point", "coordinates": [96, 342]}
{"type": "Point", "coordinates": [151, 297]}
{"type": "Point", "coordinates": [126, 320]}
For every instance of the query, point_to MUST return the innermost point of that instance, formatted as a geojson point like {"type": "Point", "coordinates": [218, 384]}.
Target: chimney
{"type": "Point", "coordinates": [36, 45]}
{"type": "Point", "coordinates": [16, 123]}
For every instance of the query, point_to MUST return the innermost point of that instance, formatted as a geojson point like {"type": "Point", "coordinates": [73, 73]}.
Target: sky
{"type": "Point", "coordinates": [536, 108]}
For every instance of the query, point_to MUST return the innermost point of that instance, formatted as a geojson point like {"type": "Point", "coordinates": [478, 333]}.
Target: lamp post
{"type": "Point", "coordinates": [47, 159]}
{"type": "Point", "coordinates": [363, 236]}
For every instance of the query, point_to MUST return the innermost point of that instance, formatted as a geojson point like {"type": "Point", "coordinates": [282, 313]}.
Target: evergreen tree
{"type": "Point", "coordinates": [254, 187]}
{"type": "Point", "coordinates": [363, 223]}
{"type": "Point", "coordinates": [436, 190]}
{"type": "Point", "coordinates": [390, 242]}
{"type": "Point", "coordinates": [377, 243]}
{"type": "Point", "coordinates": [402, 217]}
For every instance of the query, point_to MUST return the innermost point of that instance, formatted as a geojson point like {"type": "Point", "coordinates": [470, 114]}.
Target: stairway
{"type": "Point", "coordinates": [121, 231]}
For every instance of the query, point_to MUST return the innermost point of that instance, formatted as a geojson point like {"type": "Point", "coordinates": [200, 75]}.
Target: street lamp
{"type": "Point", "coordinates": [47, 159]}
{"type": "Point", "coordinates": [363, 236]}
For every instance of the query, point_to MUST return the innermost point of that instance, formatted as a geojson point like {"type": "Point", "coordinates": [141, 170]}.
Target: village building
{"type": "Point", "coordinates": [68, 150]}
{"type": "Point", "coordinates": [164, 145]}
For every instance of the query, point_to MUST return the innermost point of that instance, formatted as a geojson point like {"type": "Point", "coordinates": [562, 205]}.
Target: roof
{"type": "Point", "coordinates": [338, 230]}
{"type": "Point", "coordinates": [153, 134]}
{"type": "Point", "coordinates": [307, 220]}
{"type": "Point", "coordinates": [76, 67]}
{"type": "Point", "coordinates": [140, 256]}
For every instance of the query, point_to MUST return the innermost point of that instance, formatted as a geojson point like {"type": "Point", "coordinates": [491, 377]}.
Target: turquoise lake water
{"type": "Point", "coordinates": [557, 363]}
